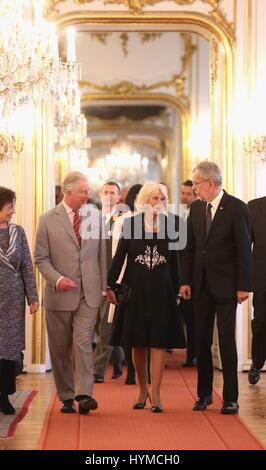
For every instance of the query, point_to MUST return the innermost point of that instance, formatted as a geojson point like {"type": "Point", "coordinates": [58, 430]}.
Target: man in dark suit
{"type": "Point", "coordinates": [217, 264]}
{"type": "Point", "coordinates": [188, 195]}
{"type": "Point", "coordinates": [257, 211]}
{"type": "Point", "coordinates": [109, 196]}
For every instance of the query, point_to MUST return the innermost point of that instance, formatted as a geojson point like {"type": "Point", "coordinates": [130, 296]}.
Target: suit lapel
{"type": "Point", "coordinates": [201, 222]}
{"type": "Point", "coordinates": [65, 222]}
{"type": "Point", "coordinates": [219, 214]}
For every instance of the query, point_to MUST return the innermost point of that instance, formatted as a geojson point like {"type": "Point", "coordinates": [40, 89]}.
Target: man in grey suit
{"type": "Point", "coordinates": [70, 254]}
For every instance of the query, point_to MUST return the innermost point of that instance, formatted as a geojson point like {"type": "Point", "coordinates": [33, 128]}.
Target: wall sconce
{"type": "Point", "coordinates": [256, 146]}
{"type": "Point", "coordinates": [9, 145]}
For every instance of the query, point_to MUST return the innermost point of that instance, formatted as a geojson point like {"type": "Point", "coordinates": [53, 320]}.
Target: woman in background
{"type": "Point", "coordinates": [16, 282]}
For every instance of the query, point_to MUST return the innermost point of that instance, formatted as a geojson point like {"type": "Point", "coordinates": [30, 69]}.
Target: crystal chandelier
{"type": "Point", "coordinates": [29, 61]}
{"type": "Point", "coordinates": [70, 124]}
{"type": "Point", "coordinates": [31, 70]}
{"type": "Point", "coordinates": [123, 159]}
{"type": "Point", "coordinates": [122, 164]}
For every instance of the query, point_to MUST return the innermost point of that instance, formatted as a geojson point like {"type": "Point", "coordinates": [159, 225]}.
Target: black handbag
{"type": "Point", "coordinates": [122, 293]}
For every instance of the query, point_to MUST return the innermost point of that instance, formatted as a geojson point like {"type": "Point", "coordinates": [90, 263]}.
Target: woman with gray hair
{"type": "Point", "coordinates": [149, 318]}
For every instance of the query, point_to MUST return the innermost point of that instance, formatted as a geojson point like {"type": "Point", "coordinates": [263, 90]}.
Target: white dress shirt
{"type": "Point", "coordinates": [215, 202]}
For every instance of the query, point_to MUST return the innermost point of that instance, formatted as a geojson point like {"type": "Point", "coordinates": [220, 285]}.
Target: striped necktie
{"type": "Point", "coordinates": [76, 225]}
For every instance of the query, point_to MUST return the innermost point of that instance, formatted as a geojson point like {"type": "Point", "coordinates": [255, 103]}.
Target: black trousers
{"type": "Point", "coordinates": [258, 326]}
{"type": "Point", "coordinates": [188, 315]}
{"type": "Point", "coordinates": [7, 376]}
{"type": "Point", "coordinates": [205, 308]}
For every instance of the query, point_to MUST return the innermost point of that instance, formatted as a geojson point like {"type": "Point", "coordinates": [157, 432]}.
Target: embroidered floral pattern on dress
{"type": "Point", "coordinates": [151, 258]}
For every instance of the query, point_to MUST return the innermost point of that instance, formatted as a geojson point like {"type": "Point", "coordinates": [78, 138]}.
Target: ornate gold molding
{"type": "Point", "coordinates": [189, 49]}
{"type": "Point", "coordinates": [124, 39]}
{"type": "Point", "coordinates": [136, 7]}
{"type": "Point", "coordinates": [162, 119]}
{"type": "Point", "coordinates": [126, 88]}
{"type": "Point", "coordinates": [214, 64]}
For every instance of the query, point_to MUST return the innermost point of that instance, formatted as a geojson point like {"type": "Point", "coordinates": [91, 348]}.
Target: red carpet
{"type": "Point", "coordinates": [20, 401]}
{"type": "Point", "coordinates": [117, 426]}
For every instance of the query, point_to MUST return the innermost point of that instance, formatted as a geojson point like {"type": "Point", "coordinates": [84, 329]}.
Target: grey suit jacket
{"type": "Point", "coordinates": [57, 253]}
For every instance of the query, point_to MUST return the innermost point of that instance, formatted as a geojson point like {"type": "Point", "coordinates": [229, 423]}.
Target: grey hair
{"type": "Point", "coordinates": [71, 179]}
{"type": "Point", "coordinates": [210, 171]}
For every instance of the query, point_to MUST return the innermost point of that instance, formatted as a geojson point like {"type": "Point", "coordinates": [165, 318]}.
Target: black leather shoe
{"type": "Point", "coordinates": [253, 375]}
{"type": "Point", "coordinates": [130, 378]}
{"type": "Point", "coordinates": [98, 379]}
{"type": "Point", "coordinates": [190, 363]}
{"type": "Point", "coordinates": [202, 403]}
{"type": "Point", "coordinates": [86, 405]}
{"type": "Point", "coordinates": [230, 408]}
{"type": "Point", "coordinates": [6, 407]}
{"type": "Point", "coordinates": [68, 406]}
{"type": "Point", "coordinates": [117, 371]}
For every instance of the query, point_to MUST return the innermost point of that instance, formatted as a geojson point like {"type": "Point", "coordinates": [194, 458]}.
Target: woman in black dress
{"type": "Point", "coordinates": [150, 318]}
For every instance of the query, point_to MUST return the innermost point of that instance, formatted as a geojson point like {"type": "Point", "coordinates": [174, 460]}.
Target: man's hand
{"type": "Point", "coordinates": [241, 296]}
{"type": "Point", "coordinates": [34, 307]}
{"type": "Point", "coordinates": [111, 297]}
{"type": "Point", "coordinates": [66, 284]}
{"type": "Point", "coordinates": [185, 292]}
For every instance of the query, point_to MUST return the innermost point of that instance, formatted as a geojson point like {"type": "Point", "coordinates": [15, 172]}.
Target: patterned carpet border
{"type": "Point", "coordinates": [21, 401]}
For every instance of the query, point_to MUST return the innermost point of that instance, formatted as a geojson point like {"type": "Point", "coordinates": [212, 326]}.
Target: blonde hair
{"type": "Point", "coordinates": [146, 192]}
{"type": "Point", "coordinates": [71, 180]}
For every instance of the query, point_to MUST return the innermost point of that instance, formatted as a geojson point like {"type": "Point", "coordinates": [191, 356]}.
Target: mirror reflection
{"type": "Point", "coordinates": [146, 101]}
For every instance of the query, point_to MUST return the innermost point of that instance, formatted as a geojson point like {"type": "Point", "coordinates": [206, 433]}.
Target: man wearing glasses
{"type": "Point", "coordinates": [217, 272]}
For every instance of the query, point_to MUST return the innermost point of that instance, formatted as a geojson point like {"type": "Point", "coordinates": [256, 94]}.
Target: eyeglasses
{"type": "Point", "coordinates": [196, 183]}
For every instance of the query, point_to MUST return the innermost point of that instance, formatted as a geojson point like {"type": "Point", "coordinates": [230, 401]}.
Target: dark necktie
{"type": "Point", "coordinates": [76, 225]}
{"type": "Point", "coordinates": [208, 218]}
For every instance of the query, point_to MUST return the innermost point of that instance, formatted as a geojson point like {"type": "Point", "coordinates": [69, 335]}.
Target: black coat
{"type": "Point", "coordinates": [225, 256]}
{"type": "Point", "coordinates": [257, 211]}
{"type": "Point", "coordinates": [151, 317]}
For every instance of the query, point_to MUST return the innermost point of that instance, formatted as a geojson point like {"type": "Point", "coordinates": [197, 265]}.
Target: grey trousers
{"type": "Point", "coordinates": [70, 341]}
{"type": "Point", "coordinates": [104, 352]}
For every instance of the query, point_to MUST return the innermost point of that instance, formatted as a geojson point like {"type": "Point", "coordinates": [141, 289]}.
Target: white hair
{"type": "Point", "coordinates": [210, 171]}
{"type": "Point", "coordinates": [71, 179]}
{"type": "Point", "coordinates": [146, 192]}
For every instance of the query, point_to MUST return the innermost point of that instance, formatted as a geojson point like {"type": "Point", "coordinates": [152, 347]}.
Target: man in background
{"type": "Point", "coordinates": [188, 195]}
{"type": "Point", "coordinates": [109, 196]}
{"type": "Point", "coordinates": [257, 211]}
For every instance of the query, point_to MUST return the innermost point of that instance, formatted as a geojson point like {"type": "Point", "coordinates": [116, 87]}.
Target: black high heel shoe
{"type": "Point", "coordinates": [141, 404]}
{"type": "Point", "coordinates": [156, 409]}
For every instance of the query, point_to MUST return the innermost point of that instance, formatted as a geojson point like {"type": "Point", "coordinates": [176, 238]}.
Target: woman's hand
{"type": "Point", "coordinates": [185, 292]}
{"type": "Point", "coordinates": [34, 307]}
{"type": "Point", "coordinates": [111, 297]}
